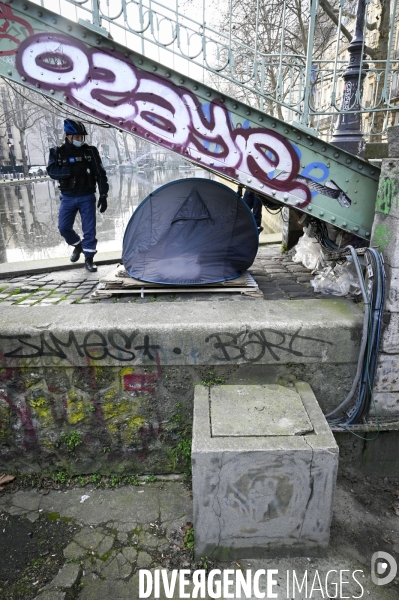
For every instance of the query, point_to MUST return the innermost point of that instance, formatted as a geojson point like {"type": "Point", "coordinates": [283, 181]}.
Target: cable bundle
{"type": "Point", "coordinates": [362, 387]}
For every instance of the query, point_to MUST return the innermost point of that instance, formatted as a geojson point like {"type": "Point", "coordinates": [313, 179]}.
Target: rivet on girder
{"type": "Point", "coordinates": [298, 137]}
{"type": "Point", "coordinates": [54, 21]}
{"type": "Point", "coordinates": [25, 7]}
{"type": "Point", "coordinates": [112, 48]}
{"type": "Point", "coordinates": [321, 213]}
{"type": "Point", "coordinates": [195, 87]}
{"type": "Point", "coordinates": [311, 143]}
{"type": "Point", "coordinates": [332, 218]}
{"type": "Point", "coordinates": [181, 80]}
{"type": "Point", "coordinates": [133, 128]}
{"type": "Point", "coordinates": [344, 224]}
{"type": "Point", "coordinates": [235, 106]}
{"type": "Point", "coordinates": [140, 61]}
{"type": "Point", "coordinates": [211, 164]}
{"type": "Point", "coordinates": [247, 112]}
{"type": "Point", "coordinates": [9, 72]}
{"type": "Point", "coordinates": [273, 192]}
{"type": "Point", "coordinates": [23, 78]}
{"type": "Point", "coordinates": [208, 94]}
{"type": "Point", "coordinates": [249, 180]}
{"type": "Point", "coordinates": [39, 13]}
{"type": "Point", "coordinates": [159, 141]}
{"type": "Point", "coordinates": [360, 167]}
{"type": "Point", "coordinates": [154, 68]}
{"type": "Point", "coordinates": [336, 154]}
{"type": "Point", "coordinates": [261, 119]}
{"type": "Point", "coordinates": [349, 160]}
{"type": "Point", "coordinates": [273, 124]}
{"type": "Point", "coordinates": [356, 229]}
{"type": "Point", "coordinates": [52, 92]}
{"type": "Point", "coordinates": [285, 197]}
{"type": "Point", "coordinates": [323, 148]}
{"type": "Point", "coordinates": [167, 74]}
{"type": "Point", "coordinates": [297, 203]}
{"type": "Point", "coordinates": [285, 130]}
{"type": "Point", "coordinates": [98, 42]}
{"type": "Point", "coordinates": [310, 208]}
{"type": "Point", "coordinates": [372, 172]}
{"type": "Point", "coordinates": [367, 234]}
{"type": "Point", "coordinates": [261, 186]}
{"type": "Point", "coordinates": [69, 28]}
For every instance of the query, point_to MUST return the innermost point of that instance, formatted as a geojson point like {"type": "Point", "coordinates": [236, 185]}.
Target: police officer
{"type": "Point", "coordinates": [78, 169]}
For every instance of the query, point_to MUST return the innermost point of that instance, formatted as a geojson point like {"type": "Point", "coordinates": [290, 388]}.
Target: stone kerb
{"type": "Point", "coordinates": [266, 492]}
{"type": "Point", "coordinates": [104, 387]}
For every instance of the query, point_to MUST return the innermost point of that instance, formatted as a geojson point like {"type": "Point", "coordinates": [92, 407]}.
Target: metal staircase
{"type": "Point", "coordinates": [78, 64]}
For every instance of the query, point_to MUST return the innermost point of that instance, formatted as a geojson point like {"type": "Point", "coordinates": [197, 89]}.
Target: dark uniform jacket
{"type": "Point", "coordinates": [77, 170]}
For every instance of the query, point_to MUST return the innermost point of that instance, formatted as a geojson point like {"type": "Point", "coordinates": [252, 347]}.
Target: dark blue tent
{"type": "Point", "coordinates": [190, 232]}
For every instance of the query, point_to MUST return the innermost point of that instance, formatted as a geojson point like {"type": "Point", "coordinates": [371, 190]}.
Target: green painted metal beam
{"type": "Point", "coordinates": [77, 65]}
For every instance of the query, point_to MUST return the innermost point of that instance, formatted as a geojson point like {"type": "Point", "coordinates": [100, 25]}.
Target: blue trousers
{"type": "Point", "coordinates": [86, 206]}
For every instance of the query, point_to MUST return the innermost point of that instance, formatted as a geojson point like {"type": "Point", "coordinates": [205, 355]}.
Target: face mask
{"type": "Point", "coordinates": [77, 144]}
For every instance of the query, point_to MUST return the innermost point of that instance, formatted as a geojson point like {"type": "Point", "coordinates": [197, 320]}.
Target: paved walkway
{"type": "Point", "coordinates": [119, 532]}
{"type": "Point", "coordinates": [276, 274]}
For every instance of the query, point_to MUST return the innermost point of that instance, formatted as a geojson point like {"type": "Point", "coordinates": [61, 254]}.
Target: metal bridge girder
{"type": "Point", "coordinates": [77, 66]}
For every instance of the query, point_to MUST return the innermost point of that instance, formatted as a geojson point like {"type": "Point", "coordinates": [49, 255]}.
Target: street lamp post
{"type": "Point", "coordinates": [348, 130]}
{"type": "Point", "coordinates": [11, 155]}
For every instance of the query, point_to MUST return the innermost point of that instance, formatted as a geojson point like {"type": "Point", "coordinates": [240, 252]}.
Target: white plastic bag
{"type": "Point", "coordinates": [339, 280]}
{"type": "Point", "coordinates": [309, 253]}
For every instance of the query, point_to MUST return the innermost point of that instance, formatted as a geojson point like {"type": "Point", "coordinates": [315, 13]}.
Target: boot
{"type": "Point", "coordinates": [77, 251]}
{"type": "Point", "coordinates": [90, 266]}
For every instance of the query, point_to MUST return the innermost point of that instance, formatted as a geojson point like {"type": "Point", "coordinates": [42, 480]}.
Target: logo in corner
{"type": "Point", "coordinates": [383, 568]}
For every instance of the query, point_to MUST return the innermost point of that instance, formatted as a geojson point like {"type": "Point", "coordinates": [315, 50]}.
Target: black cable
{"type": "Point", "coordinates": [373, 297]}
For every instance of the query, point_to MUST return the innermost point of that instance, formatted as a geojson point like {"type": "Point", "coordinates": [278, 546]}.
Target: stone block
{"type": "Point", "coordinates": [393, 141]}
{"type": "Point", "coordinates": [376, 150]}
{"type": "Point", "coordinates": [385, 238]}
{"type": "Point", "coordinates": [387, 405]}
{"type": "Point", "coordinates": [390, 334]}
{"type": "Point", "coordinates": [263, 475]}
{"type": "Point", "coordinates": [387, 373]}
{"type": "Point", "coordinates": [392, 289]}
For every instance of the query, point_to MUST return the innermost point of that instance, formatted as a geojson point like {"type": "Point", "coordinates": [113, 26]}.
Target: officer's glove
{"type": "Point", "coordinates": [102, 203]}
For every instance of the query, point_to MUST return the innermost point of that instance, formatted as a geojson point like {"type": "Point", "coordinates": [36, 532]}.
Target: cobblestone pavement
{"type": "Point", "coordinates": [277, 276]}
{"type": "Point", "coordinates": [117, 533]}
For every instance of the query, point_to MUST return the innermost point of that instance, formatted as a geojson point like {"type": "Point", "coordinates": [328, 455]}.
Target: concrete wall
{"type": "Point", "coordinates": [120, 379]}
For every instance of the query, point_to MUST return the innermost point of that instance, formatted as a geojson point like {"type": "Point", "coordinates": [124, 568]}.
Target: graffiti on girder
{"type": "Point", "coordinates": [107, 85]}
{"type": "Point", "coordinates": [13, 30]}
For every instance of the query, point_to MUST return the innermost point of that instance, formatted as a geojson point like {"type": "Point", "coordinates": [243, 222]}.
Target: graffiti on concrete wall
{"type": "Point", "coordinates": [252, 346]}
{"type": "Point", "coordinates": [111, 406]}
{"type": "Point", "coordinates": [117, 346]}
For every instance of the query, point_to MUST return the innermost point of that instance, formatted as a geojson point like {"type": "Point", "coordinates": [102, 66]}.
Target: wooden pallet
{"type": "Point", "coordinates": [118, 282]}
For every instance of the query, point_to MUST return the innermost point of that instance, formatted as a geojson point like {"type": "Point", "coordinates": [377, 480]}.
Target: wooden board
{"type": "Point", "coordinates": [119, 282]}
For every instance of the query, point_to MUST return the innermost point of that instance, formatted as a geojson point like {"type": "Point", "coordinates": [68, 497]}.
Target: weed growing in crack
{"type": "Point", "coordinates": [212, 379]}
